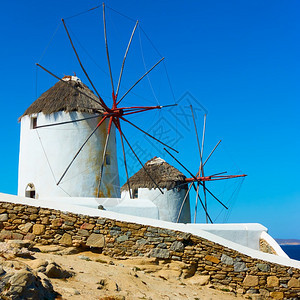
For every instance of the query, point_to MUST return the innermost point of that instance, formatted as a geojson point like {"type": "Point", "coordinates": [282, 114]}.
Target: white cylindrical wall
{"type": "Point", "coordinates": [168, 203]}
{"type": "Point", "coordinates": [46, 152]}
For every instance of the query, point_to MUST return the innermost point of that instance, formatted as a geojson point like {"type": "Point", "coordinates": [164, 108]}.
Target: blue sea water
{"type": "Point", "coordinates": [293, 251]}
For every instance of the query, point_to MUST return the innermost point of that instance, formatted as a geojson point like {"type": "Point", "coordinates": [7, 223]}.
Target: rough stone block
{"type": "Point", "coordinates": [66, 239]}
{"type": "Point", "coordinates": [277, 295]}
{"type": "Point", "coordinates": [25, 227]}
{"type": "Point", "coordinates": [250, 280]}
{"type": "Point", "coordinates": [3, 217]}
{"type": "Point", "coordinates": [122, 238]}
{"type": "Point", "coordinates": [212, 259]}
{"type": "Point", "coordinates": [272, 281]}
{"type": "Point", "coordinates": [160, 253]}
{"type": "Point", "coordinates": [38, 229]}
{"type": "Point", "coordinates": [83, 232]}
{"type": "Point", "coordinates": [239, 266]}
{"type": "Point", "coordinates": [87, 226]}
{"type": "Point", "coordinates": [227, 260]}
{"type": "Point", "coordinates": [294, 283]}
{"type": "Point", "coordinates": [96, 240]}
{"type": "Point", "coordinates": [177, 246]}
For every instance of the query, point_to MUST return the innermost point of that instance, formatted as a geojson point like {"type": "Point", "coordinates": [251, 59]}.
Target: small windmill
{"type": "Point", "coordinates": [200, 177]}
{"type": "Point", "coordinates": [114, 113]}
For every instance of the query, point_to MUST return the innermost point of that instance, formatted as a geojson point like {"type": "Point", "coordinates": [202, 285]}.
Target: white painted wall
{"type": "Point", "coordinates": [168, 204]}
{"type": "Point", "coordinates": [46, 152]}
{"type": "Point", "coordinates": [283, 260]}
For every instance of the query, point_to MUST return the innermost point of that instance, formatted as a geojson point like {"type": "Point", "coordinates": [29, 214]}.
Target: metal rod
{"type": "Point", "coordinates": [103, 156]}
{"type": "Point", "coordinates": [181, 164]}
{"type": "Point", "coordinates": [82, 67]}
{"type": "Point", "coordinates": [213, 196]}
{"type": "Point", "coordinates": [67, 82]}
{"type": "Point", "coordinates": [197, 194]}
{"type": "Point", "coordinates": [141, 163]}
{"type": "Point", "coordinates": [140, 79]}
{"type": "Point", "coordinates": [213, 150]}
{"type": "Point", "coordinates": [123, 63]}
{"type": "Point", "coordinates": [185, 197]}
{"type": "Point", "coordinates": [203, 205]}
{"type": "Point", "coordinates": [125, 161]}
{"type": "Point", "coordinates": [148, 134]}
{"type": "Point", "coordinates": [107, 52]}
{"type": "Point", "coordinates": [198, 143]}
{"type": "Point", "coordinates": [66, 122]}
{"type": "Point", "coordinates": [68, 167]}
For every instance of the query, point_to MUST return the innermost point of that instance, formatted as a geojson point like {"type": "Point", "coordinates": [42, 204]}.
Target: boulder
{"type": "Point", "coordinates": [96, 240]}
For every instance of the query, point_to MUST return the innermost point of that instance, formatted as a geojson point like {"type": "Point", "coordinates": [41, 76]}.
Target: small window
{"type": "Point", "coordinates": [30, 191]}
{"type": "Point", "coordinates": [33, 123]}
{"type": "Point", "coordinates": [135, 193]}
{"type": "Point", "coordinates": [107, 160]}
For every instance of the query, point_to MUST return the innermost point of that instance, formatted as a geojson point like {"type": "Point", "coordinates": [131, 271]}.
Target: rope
{"type": "Point", "coordinates": [120, 14]}
{"type": "Point", "coordinates": [48, 45]}
{"type": "Point", "coordinates": [83, 12]}
{"type": "Point", "coordinates": [143, 58]}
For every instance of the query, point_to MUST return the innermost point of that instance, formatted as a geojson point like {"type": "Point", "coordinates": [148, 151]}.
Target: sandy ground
{"type": "Point", "coordinates": [98, 276]}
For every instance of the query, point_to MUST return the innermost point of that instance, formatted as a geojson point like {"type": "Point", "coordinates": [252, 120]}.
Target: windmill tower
{"type": "Point", "coordinates": [167, 190]}
{"type": "Point", "coordinates": [46, 151]}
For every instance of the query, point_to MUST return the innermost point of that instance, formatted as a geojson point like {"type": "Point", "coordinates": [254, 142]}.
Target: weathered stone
{"type": "Point", "coordinates": [3, 217]}
{"type": "Point", "coordinates": [57, 222]}
{"type": "Point", "coordinates": [142, 242]}
{"type": "Point", "coordinates": [122, 238]}
{"type": "Point", "coordinates": [87, 226]}
{"type": "Point", "coordinates": [5, 234]}
{"type": "Point", "coordinates": [66, 239]}
{"type": "Point", "coordinates": [38, 229]}
{"type": "Point", "coordinates": [263, 267]}
{"type": "Point", "coordinates": [250, 280]}
{"type": "Point", "coordinates": [25, 227]}
{"type": "Point", "coordinates": [239, 266]}
{"type": "Point", "coordinates": [277, 295]}
{"type": "Point", "coordinates": [212, 259]}
{"type": "Point", "coordinates": [33, 217]}
{"type": "Point", "coordinates": [96, 240]}
{"type": "Point", "coordinates": [83, 232]}
{"type": "Point", "coordinates": [177, 246]}
{"type": "Point", "coordinates": [53, 270]}
{"type": "Point", "coordinates": [294, 283]}
{"type": "Point", "coordinates": [272, 281]}
{"type": "Point", "coordinates": [160, 253]}
{"type": "Point", "coordinates": [29, 236]}
{"type": "Point", "coordinates": [227, 260]}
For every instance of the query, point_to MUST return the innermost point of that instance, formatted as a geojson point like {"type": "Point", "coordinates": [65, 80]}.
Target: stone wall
{"type": "Point", "coordinates": [221, 266]}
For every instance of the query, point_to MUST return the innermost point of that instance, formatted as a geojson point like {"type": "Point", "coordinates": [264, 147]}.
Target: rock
{"type": "Point", "coordinates": [239, 266]}
{"type": "Point", "coordinates": [96, 240]}
{"type": "Point", "coordinates": [177, 246]}
{"type": "Point", "coordinates": [212, 259]}
{"type": "Point", "coordinates": [29, 236]}
{"type": "Point", "coordinates": [83, 232]}
{"type": "Point", "coordinates": [11, 250]}
{"type": "Point", "coordinates": [66, 239]}
{"type": "Point", "coordinates": [272, 281]}
{"type": "Point", "coordinates": [227, 260]}
{"type": "Point", "coordinates": [199, 280]}
{"type": "Point", "coordinates": [38, 229]}
{"type": "Point", "coordinates": [276, 295]}
{"type": "Point", "coordinates": [294, 283]}
{"type": "Point", "coordinates": [24, 284]}
{"type": "Point", "coordinates": [250, 280]}
{"type": "Point", "coordinates": [263, 267]}
{"type": "Point", "coordinates": [83, 257]}
{"type": "Point", "coordinates": [57, 222]}
{"type": "Point", "coordinates": [37, 263]}
{"type": "Point", "coordinates": [3, 217]}
{"type": "Point", "coordinates": [160, 253]}
{"type": "Point", "coordinates": [5, 235]}
{"type": "Point", "coordinates": [53, 270]}
{"type": "Point", "coordinates": [87, 226]}
{"type": "Point", "coordinates": [25, 227]}
{"type": "Point", "coordinates": [1, 271]}
{"type": "Point", "coordinates": [122, 238]}
{"type": "Point", "coordinates": [20, 244]}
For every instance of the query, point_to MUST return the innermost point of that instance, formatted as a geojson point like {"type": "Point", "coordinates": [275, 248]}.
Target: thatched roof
{"type": "Point", "coordinates": [65, 96]}
{"type": "Point", "coordinates": [165, 175]}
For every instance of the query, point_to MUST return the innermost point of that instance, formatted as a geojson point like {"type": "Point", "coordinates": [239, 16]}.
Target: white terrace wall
{"type": "Point", "coordinates": [220, 264]}
{"type": "Point", "coordinates": [46, 152]}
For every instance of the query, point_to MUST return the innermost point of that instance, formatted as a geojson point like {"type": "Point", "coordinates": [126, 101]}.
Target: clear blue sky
{"type": "Point", "coordinates": [239, 60]}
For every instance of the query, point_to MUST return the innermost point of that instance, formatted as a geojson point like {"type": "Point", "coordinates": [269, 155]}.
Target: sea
{"type": "Point", "coordinates": [293, 251]}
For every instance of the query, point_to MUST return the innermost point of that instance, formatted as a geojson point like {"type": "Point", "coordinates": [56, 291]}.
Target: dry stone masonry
{"type": "Point", "coordinates": [219, 266]}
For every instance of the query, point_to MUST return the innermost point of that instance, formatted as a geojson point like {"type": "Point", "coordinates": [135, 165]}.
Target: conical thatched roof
{"type": "Point", "coordinates": [165, 175]}
{"type": "Point", "coordinates": [71, 95]}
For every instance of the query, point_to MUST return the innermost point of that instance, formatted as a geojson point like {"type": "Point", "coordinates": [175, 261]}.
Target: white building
{"type": "Point", "coordinates": [46, 152]}
{"type": "Point", "coordinates": [172, 184]}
